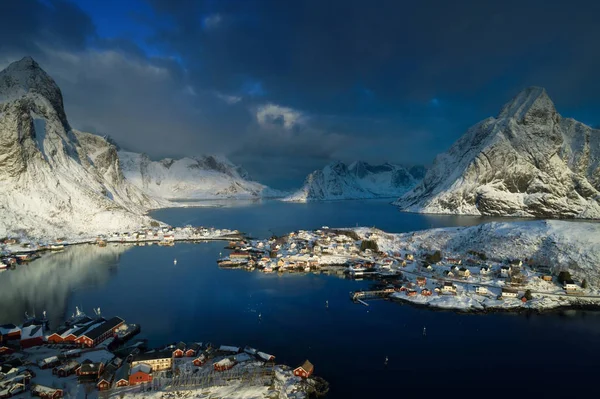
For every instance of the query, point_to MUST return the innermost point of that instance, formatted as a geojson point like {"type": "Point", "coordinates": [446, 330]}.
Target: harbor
{"type": "Point", "coordinates": [98, 355]}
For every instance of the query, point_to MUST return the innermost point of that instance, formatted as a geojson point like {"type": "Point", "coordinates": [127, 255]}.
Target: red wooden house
{"type": "Point", "coordinates": [305, 370]}
{"type": "Point", "coordinates": [140, 374]}
{"type": "Point", "coordinates": [32, 335]}
{"type": "Point", "coordinates": [193, 349]}
{"type": "Point", "coordinates": [179, 350]}
{"type": "Point", "coordinates": [200, 360]}
{"type": "Point", "coordinates": [46, 392]}
{"type": "Point", "coordinates": [224, 364]}
{"type": "Point", "coordinates": [9, 332]}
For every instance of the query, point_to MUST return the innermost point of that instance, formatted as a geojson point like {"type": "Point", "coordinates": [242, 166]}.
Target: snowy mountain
{"type": "Point", "coordinates": [358, 181]}
{"type": "Point", "coordinates": [528, 161]}
{"type": "Point", "coordinates": [54, 180]}
{"type": "Point", "coordinates": [205, 177]}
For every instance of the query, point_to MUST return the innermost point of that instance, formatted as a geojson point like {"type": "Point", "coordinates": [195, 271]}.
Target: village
{"type": "Point", "coordinates": [468, 282]}
{"type": "Point", "coordinates": [17, 250]}
{"type": "Point", "coordinates": [95, 357]}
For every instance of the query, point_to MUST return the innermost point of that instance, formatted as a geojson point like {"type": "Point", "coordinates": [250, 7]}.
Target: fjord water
{"type": "Point", "coordinates": [196, 301]}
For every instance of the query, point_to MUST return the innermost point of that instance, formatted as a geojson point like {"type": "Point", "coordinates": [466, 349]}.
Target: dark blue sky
{"type": "Point", "coordinates": [284, 87]}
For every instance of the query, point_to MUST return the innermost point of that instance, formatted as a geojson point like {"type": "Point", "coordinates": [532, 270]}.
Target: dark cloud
{"type": "Point", "coordinates": [287, 86]}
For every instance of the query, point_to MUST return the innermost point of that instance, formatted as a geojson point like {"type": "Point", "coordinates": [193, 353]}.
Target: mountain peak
{"type": "Point", "coordinates": [26, 76]}
{"type": "Point", "coordinates": [532, 100]}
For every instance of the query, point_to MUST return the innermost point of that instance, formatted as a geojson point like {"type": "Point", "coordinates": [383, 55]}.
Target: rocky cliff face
{"type": "Point", "coordinates": [205, 177]}
{"type": "Point", "coordinates": [528, 161]}
{"type": "Point", "coordinates": [56, 181]}
{"type": "Point", "coordinates": [358, 181]}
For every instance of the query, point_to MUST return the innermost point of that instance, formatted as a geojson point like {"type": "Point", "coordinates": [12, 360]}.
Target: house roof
{"type": "Point", "coordinates": [142, 367]}
{"type": "Point", "coordinates": [123, 372]}
{"type": "Point", "coordinates": [90, 367]}
{"type": "Point", "coordinates": [103, 328]}
{"type": "Point", "coordinates": [180, 345]}
{"type": "Point", "coordinates": [153, 355]}
{"type": "Point", "coordinates": [31, 332]}
{"type": "Point", "coordinates": [196, 346]}
{"type": "Point", "coordinates": [8, 328]}
{"type": "Point", "coordinates": [307, 366]}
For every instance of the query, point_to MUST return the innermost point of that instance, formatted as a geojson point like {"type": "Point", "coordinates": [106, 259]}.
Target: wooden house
{"type": "Point", "coordinates": [464, 272]}
{"type": "Point", "coordinates": [224, 364]}
{"type": "Point", "coordinates": [140, 374]}
{"type": "Point", "coordinates": [193, 349]}
{"type": "Point", "coordinates": [305, 370]}
{"type": "Point", "coordinates": [200, 360]}
{"type": "Point", "coordinates": [46, 392]}
{"type": "Point", "coordinates": [66, 369]}
{"type": "Point", "coordinates": [421, 281]}
{"type": "Point", "coordinates": [179, 350]}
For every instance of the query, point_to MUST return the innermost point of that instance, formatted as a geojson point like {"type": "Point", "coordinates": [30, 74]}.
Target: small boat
{"type": "Point", "coordinates": [56, 247]}
{"type": "Point", "coordinates": [175, 261]}
{"type": "Point", "coordinates": [3, 266]}
{"type": "Point", "coordinates": [327, 304]}
{"type": "Point", "coordinates": [424, 331]}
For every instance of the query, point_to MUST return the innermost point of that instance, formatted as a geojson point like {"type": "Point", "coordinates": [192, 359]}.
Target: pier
{"type": "Point", "coordinates": [359, 295]}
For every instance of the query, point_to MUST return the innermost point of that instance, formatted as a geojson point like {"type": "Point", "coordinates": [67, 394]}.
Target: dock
{"type": "Point", "coordinates": [359, 295]}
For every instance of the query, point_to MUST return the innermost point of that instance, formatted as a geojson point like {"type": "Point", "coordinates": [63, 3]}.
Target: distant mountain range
{"type": "Point", "coordinates": [528, 161]}
{"type": "Point", "coordinates": [360, 180]}
{"type": "Point", "coordinates": [206, 177]}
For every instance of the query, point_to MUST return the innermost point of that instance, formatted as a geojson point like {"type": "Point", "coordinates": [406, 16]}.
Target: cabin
{"type": "Point", "coordinates": [140, 374]}
{"type": "Point", "coordinates": [46, 392]}
{"type": "Point", "coordinates": [570, 286]}
{"type": "Point", "coordinates": [411, 293]}
{"type": "Point", "coordinates": [224, 364]}
{"type": "Point", "coordinates": [464, 272]}
{"type": "Point", "coordinates": [509, 293]}
{"type": "Point", "coordinates": [425, 292]}
{"type": "Point", "coordinates": [504, 271]}
{"type": "Point", "coordinates": [90, 370]}
{"type": "Point", "coordinates": [481, 290]}
{"type": "Point", "coordinates": [193, 349]}
{"type": "Point", "coordinates": [547, 277]}
{"type": "Point", "coordinates": [421, 281]}
{"type": "Point", "coordinates": [484, 270]}
{"type": "Point", "coordinates": [200, 360]}
{"type": "Point", "coordinates": [32, 335]}
{"type": "Point", "coordinates": [179, 350]}
{"type": "Point", "coordinates": [158, 360]}
{"type": "Point", "coordinates": [9, 332]}
{"type": "Point", "coordinates": [305, 370]}
{"type": "Point", "coordinates": [121, 378]}
{"type": "Point", "coordinates": [66, 369]}
{"type": "Point", "coordinates": [448, 273]}
{"type": "Point", "coordinates": [48, 362]}
{"type": "Point", "coordinates": [265, 356]}
{"type": "Point", "coordinates": [448, 287]}
{"type": "Point", "coordinates": [107, 377]}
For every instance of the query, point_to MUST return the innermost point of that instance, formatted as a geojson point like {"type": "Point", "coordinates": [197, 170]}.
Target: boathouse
{"type": "Point", "coordinates": [179, 350]}
{"type": "Point", "coordinates": [31, 336]}
{"type": "Point", "coordinates": [193, 349]}
{"type": "Point", "coordinates": [90, 370]}
{"type": "Point", "coordinates": [122, 375]}
{"type": "Point", "coordinates": [46, 392]}
{"type": "Point", "coordinates": [9, 332]}
{"type": "Point", "coordinates": [224, 364]}
{"type": "Point", "coordinates": [305, 370]}
{"type": "Point", "coordinates": [140, 374]}
{"type": "Point", "coordinates": [100, 333]}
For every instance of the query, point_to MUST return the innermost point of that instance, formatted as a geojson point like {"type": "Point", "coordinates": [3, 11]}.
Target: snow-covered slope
{"type": "Point", "coordinates": [559, 244]}
{"type": "Point", "coordinates": [529, 161]}
{"type": "Point", "coordinates": [358, 181]}
{"type": "Point", "coordinates": [56, 181]}
{"type": "Point", "coordinates": [205, 177]}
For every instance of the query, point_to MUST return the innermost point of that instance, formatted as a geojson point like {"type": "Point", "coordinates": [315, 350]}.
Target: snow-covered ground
{"type": "Point", "coordinates": [201, 178]}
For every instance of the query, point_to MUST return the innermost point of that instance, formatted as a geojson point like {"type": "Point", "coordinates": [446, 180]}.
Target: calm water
{"type": "Point", "coordinates": [195, 300]}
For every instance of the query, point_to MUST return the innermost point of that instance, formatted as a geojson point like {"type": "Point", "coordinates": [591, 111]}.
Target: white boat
{"type": "Point", "coordinates": [175, 261]}
{"type": "Point", "coordinates": [3, 266]}
{"type": "Point", "coordinates": [357, 270]}
{"type": "Point", "coordinates": [56, 247]}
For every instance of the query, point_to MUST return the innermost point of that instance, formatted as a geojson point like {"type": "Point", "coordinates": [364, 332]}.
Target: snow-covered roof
{"type": "Point", "coordinates": [143, 367]}
{"type": "Point", "coordinates": [226, 348]}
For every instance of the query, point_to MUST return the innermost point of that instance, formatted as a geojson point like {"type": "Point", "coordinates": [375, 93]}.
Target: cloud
{"type": "Point", "coordinates": [212, 21]}
{"type": "Point", "coordinates": [269, 115]}
{"type": "Point", "coordinates": [229, 99]}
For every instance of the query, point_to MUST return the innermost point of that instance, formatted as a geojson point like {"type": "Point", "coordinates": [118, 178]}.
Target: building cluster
{"type": "Point", "coordinates": [86, 350]}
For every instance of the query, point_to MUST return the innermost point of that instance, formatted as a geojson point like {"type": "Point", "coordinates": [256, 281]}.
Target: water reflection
{"type": "Point", "coordinates": [47, 283]}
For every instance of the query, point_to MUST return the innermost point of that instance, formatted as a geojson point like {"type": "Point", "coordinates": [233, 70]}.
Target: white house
{"type": "Point", "coordinates": [569, 285]}
{"type": "Point", "coordinates": [481, 290]}
{"type": "Point", "coordinates": [464, 272]}
{"type": "Point", "coordinates": [484, 271]}
{"type": "Point", "coordinates": [504, 271]}
{"type": "Point", "coordinates": [509, 293]}
{"type": "Point", "coordinates": [448, 287]}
